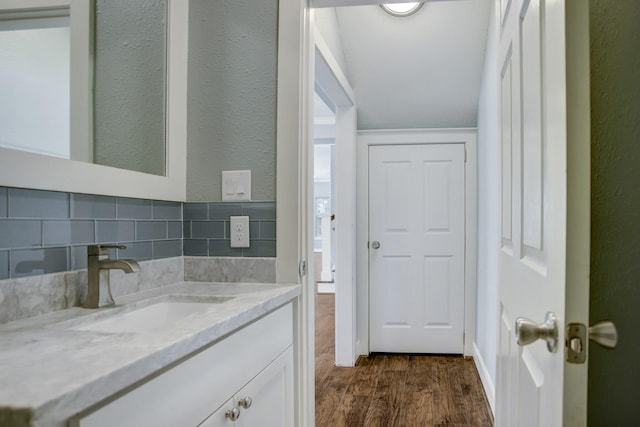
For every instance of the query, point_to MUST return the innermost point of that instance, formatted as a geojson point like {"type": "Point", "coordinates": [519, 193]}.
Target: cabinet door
{"type": "Point", "coordinates": [271, 394]}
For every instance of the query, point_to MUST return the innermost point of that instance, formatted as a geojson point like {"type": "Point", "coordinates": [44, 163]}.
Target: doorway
{"type": "Point", "coordinates": [416, 248]}
{"type": "Point", "coordinates": [324, 143]}
{"type": "Point", "coordinates": [333, 89]}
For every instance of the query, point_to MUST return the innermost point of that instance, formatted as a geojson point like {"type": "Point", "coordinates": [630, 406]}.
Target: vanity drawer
{"type": "Point", "coordinates": [189, 392]}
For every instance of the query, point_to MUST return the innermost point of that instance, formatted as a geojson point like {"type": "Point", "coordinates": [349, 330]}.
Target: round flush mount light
{"type": "Point", "coordinates": [402, 9]}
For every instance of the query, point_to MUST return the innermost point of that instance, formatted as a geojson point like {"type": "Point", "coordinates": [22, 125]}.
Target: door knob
{"type": "Point", "coordinates": [375, 245]}
{"type": "Point", "coordinates": [603, 333]}
{"type": "Point", "coordinates": [528, 331]}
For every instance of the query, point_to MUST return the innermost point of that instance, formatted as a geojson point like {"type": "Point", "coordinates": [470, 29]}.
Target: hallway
{"type": "Point", "coordinates": [393, 390]}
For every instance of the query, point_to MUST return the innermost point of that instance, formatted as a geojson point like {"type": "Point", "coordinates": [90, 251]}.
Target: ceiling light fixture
{"type": "Point", "coordinates": [402, 9]}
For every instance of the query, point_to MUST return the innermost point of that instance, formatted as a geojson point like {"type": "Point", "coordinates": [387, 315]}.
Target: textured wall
{"type": "Point", "coordinates": [615, 227]}
{"type": "Point", "coordinates": [129, 85]}
{"type": "Point", "coordinates": [232, 95]}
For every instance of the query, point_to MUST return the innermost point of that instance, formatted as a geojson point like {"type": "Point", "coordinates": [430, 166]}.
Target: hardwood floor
{"type": "Point", "coordinates": [394, 390]}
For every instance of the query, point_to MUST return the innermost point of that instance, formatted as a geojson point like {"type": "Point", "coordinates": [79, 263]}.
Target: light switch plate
{"type": "Point", "coordinates": [239, 231]}
{"type": "Point", "coordinates": [236, 186]}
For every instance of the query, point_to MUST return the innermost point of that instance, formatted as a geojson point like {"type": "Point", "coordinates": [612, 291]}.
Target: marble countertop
{"type": "Point", "coordinates": [49, 371]}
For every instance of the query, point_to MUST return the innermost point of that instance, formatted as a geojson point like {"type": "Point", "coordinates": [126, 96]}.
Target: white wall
{"type": "Point", "coordinates": [34, 90]}
{"type": "Point", "coordinates": [488, 205]}
{"type": "Point", "coordinates": [326, 22]}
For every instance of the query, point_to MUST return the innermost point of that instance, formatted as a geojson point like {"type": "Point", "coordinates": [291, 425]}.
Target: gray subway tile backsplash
{"type": "Point", "coordinates": [195, 247]}
{"type": "Point", "coordinates": [115, 231]}
{"type": "Point", "coordinates": [38, 204]}
{"type": "Point", "coordinates": [167, 210]}
{"type": "Point", "coordinates": [195, 211]}
{"type": "Point", "coordinates": [78, 257]}
{"type": "Point", "coordinates": [261, 248]}
{"type": "Point", "coordinates": [223, 210]}
{"type": "Point", "coordinates": [223, 248]}
{"type": "Point", "coordinates": [260, 210]}
{"type": "Point", "coordinates": [4, 265]}
{"type": "Point", "coordinates": [139, 251]}
{"type": "Point", "coordinates": [29, 262]}
{"type": "Point", "coordinates": [268, 230]}
{"type": "Point", "coordinates": [20, 233]}
{"type": "Point", "coordinates": [207, 229]}
{"type": "Point", "coordinates": [65, 232]}
{"type": "Point", "coordinates": [92, 206]}
{"type": "Point", "coordinates": [83, 232]}
{"type": "Point", "coordinates": [4, 205]}
{"type": "Point", "coordinates": [262, 229]}
{"type": "Point", "coordinates": [254, 230]}
{"type": "Point", "coordinates": [56, 232]}
{"type": "Point", "coordinates": [151, 230]}
{"type": "Point", "coordinates": [48, 231]}
{"type": "Point", "coordinates": [174, 230]}
{"type": "Point", "coordinates": [134, 208]}
{"type": "Point", "coordinates": [167, 249]}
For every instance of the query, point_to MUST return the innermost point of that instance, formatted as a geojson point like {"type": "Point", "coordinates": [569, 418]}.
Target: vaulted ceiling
{"type": "Point", "coordinates": [421, 71]}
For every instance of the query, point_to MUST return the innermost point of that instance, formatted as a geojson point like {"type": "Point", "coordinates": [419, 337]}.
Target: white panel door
{"type": "Point", "coordinates": [416, 247]}
{"type": "Point", "coordinates": [539, 252]}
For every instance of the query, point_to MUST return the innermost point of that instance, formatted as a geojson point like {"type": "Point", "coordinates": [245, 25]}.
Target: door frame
{"type": "Point", "coordinates": [332, 85]}
{"type": "Point", "coordinates": [366, 139]}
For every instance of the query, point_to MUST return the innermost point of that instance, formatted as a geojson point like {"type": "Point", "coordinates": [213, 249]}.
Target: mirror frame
{"type": "Point", "coordinates": [29, 170]}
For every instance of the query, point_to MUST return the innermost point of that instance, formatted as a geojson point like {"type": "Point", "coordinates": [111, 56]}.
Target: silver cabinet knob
{"type": "Point", "coordinates": [375, 245]}
{"type": "Point", "coordinates": [233, 414]}
{"type": "Point", "coordinates": [528, 331]}
{"type": "Point", "coordinates": [246, 402]}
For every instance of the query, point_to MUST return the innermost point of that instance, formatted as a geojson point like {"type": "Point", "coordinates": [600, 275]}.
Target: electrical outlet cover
{"type": "Point", "coordinates": [239, 231]}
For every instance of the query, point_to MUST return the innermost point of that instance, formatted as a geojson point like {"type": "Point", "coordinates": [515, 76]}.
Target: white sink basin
{"type": "Point", "coordinates": [157, 315]}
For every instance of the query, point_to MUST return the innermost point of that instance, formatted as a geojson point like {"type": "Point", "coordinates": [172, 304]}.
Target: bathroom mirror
{"type": "Point", "coordinates": [136, 63]}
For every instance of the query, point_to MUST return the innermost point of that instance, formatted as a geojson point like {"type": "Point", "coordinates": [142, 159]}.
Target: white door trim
{"type": "Point", "coordinates": [467, 136]}
{"type": "Point", "coordinates": [333, 84]}
{"type": "Point", "coordinates": [293, 131]}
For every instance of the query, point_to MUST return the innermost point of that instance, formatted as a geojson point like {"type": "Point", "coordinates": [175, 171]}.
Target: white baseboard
{"type": "Point", "coordinates": [487, 382]}
{"type": "Point", "coordinates": [326, 288]}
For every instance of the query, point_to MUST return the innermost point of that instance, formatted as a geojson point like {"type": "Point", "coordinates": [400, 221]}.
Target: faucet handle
{"type": "Point", "coordinates": [102, 249]}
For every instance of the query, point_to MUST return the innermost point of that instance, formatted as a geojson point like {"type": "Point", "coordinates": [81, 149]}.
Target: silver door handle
{"type": "Point", "coordinates": [528, 331]}
{"type": "Point", "coordinates": [375, 245]}
{"type": "Point", "coordinates": [603, 333]}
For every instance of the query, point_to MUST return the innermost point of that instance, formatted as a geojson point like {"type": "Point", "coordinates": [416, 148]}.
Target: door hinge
{"type": "Point", "coordinates": [465, 154]}
{"type": "Point", "coordinates": [302, 268]}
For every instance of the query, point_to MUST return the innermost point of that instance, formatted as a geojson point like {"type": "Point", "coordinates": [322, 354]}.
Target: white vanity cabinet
{"type": "Point", "coordinates": [255, 361]}
{"type": "Point", "coordinates": [265, 401]}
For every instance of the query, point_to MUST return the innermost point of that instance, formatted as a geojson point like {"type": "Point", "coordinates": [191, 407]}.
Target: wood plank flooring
{"type": "Point", "coordinates": [394, 390]}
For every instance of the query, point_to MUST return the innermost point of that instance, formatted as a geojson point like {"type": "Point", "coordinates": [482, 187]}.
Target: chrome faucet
{"type": "Point", "coordinates": [98, 266]}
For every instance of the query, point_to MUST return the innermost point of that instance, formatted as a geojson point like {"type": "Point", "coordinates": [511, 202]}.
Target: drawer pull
{"type": "Point", "coordinates": [233, 414]}
{"type": "Point", "coordinates": [245, 402]}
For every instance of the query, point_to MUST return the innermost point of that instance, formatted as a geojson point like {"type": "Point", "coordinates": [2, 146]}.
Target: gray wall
{"type": "Point", "coordinates": [129, 110]}
{"type": "Point", "coordinates": [232, 95]}
{"type": "Point", "coordinates": [614, 376]}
